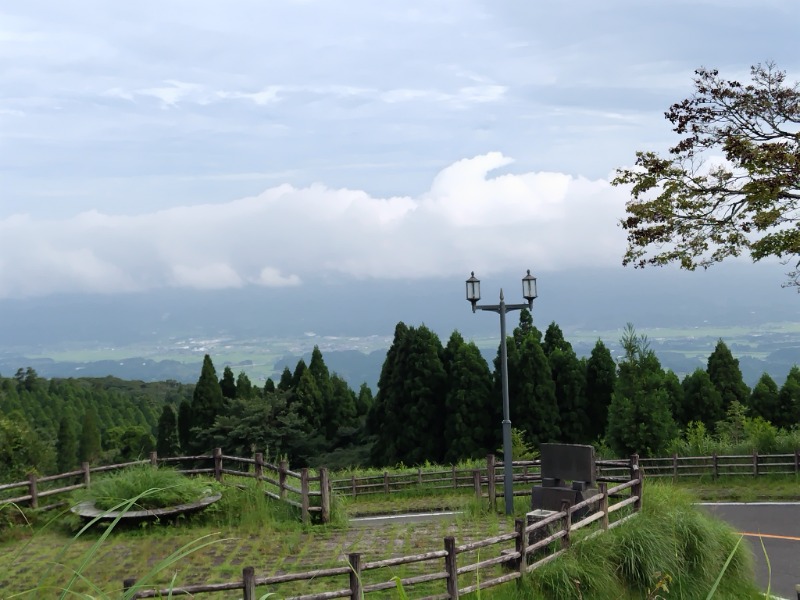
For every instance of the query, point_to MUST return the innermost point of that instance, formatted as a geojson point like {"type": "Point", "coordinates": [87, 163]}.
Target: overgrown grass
{"type": "Point", "coordinates": [670, 550]}
{"type": "Point", "coordinates": [166, 487]}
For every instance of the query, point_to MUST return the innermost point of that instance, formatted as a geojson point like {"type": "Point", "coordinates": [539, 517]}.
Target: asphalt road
{"type": "Point", "coordinates": [779, 527]}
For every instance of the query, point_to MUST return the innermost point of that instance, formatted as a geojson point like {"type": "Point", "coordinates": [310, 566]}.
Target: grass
{"type": "Point", "coordinates": [670, 546]}
{"type": "Point", "coordinates": [167, 487]}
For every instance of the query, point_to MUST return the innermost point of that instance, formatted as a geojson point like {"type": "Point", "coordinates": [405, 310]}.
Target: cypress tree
{"type": "Point", "coordinates": [639, 417]}
{"type": "Point", "coordinates": [167, 436]}
{"type": "Point", "coordinates": [66, 445]}
{"type": "Point", "coordinates": [89, 446]}
{"type": "Point", "coordinates": [469, 426]}
{"type": "Point", "coordinates": [701, 401]}
{"type": "Point", "coordinates": [601, 376]}
{"type": "Point", "coordinates": [228, 384]}
{"type": "Point", "coordinates": [207, 403]}
{"type": "Point", "coordinates": [185, 426]}
{"type": "Point", "coordinates": [308, 400]}
{"type": "Point", "coordinates": [726, 376]}
{"type": "Point", "coordinates": [569, 380]}
{"type": "Point", "coordinates": [244, 387]}
{"type": "Point", "coordinates": [269, 386]}
{"type": "Point", "coordinates": [297, 375]}
{"type": "Point", "coordinates": [364, 400]}
{"type": "Point", "coordinates": [789, 398]}
{"type": "Point", "coordinates": [285, 382]}
{"type": "Point", "coordinates": [340, 407]}
{"type": "Point", "coordinates": [765, 400]}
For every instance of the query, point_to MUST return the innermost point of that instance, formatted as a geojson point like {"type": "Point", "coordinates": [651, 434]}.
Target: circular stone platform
{"type": "Point", "coordinates": [87, 510]}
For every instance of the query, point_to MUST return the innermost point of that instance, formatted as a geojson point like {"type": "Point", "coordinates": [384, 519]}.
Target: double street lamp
{"type": "Point", "coordinates": [473, 296]}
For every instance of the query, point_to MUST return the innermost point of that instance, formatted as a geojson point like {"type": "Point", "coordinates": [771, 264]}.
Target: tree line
{"type": "Point", "coordinates": [438, 403]}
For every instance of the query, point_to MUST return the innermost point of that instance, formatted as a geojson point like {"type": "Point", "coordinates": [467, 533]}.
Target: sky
{"type": "Point", "coordinates": [197, 144]}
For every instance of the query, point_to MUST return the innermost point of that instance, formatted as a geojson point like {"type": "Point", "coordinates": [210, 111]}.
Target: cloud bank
{"type": "Point", "coordinates": [470, 218]}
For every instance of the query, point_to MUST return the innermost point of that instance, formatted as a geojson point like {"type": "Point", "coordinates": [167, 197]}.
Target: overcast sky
{"type": "Point", "coordinates": [208, 144]}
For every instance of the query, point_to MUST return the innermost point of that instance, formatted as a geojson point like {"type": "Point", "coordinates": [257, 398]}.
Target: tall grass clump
{"type": "Point", "coordinates": [167, 487]}
{"type": "Point", "coordinates": [672, 549]}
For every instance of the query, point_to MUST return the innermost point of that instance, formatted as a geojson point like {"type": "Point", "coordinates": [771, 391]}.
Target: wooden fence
{"type": "Point", "coordinates": [456, 569]}
{"type": "Point", "coordinates": [715, 466]}
{"type": "Point", "coordinates": [310, 493]}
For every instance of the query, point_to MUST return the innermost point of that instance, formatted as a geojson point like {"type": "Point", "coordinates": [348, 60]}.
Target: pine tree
{"type": "Point", "coordinates": [89, 445]}
{"type": "Point", "coordinates": [554, 340]}
{"type": "Point", "coordinates": [726, 376]}
{"type": "Point", "coordinates": [765, 400]}
{"type": "Point", "coordinates": [66, 445]}
{"type": "Point", "coordinates": [601, 376]}
{"type": "Point", "coordinates": [702, 401]}
{"type": "Point", "coordinates": [308, 399]}
{"type": "Point", "coordinates": [269, 386]}
{"type": "Point", "coordinates": [167, 438]}
{"type": "Point", "coordinates": [297, 374]}
{"type": "Point", "coordinates": [228, 384]}
{"type": "Point", "coordinates": [639, 417]}
{"type": "Point", "coordinates": [340, 407]}
{"type": "Point", "coordinates": [469, 426]}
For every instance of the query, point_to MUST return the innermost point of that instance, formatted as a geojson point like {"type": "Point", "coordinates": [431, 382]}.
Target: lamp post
{"type": "Point", "coordinates": [473, 296]}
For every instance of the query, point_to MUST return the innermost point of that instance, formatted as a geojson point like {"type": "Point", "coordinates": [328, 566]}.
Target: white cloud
{"type": "Point", "coordinates": [285, 235]}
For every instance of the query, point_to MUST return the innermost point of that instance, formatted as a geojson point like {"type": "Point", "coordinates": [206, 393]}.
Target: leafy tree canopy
{"type": "Point", "coordinates": [693, 209]}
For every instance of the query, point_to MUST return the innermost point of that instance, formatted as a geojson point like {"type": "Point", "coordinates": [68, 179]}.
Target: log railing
{"type": "Point", "coordinates": [309, 492]}
{"type": "Point", "coordinates": [455, 569]}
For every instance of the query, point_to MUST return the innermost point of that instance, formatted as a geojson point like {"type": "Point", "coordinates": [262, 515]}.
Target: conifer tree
{"type": "Point", "coordinates": [702, 401]}
{"type": "Point", "coordinates": [244, 387]}
{"type": "Point", "coordinates": [308, 400]}
{"type": "Point", "coordinates": [789, 397]}
{"type": "Point", "coordinates": [207, 403]}
{"type": "Point", "coordinates": [601, 376]}
{"type": "Point", "coordinates": [569, 379]}
{"type": "Point", "coordinates": [285, 382]}
{"type": "Point", "coordinates": [89, 445]}
{"type": "Point", "coordinates": [167, 436]}
{"type": "Point", "coordinates": [66, 445]}
{"type": "Point", "coordinates": [639, 417]}
{"type": "Point", "coordinates": [383, 418]}
{"type": "Point", "coordinates": [269, 386]}
{"type": "Point", "coordinates": [228, 384]}
{"type": "Point", "coordinates": [340, 407]}
{"type": "Point", "coordinates": [765, 400]}
{"type": "Point", "coordinates": [185, 425]}
{"type": "Point", "coordinates": [469, 424]}
{"type": "Point", "coordinates": [726, 376]}
{"type": "Point", "coordinates": [364, 400]}
{"type": "Point", "coordinates": [297, 374]}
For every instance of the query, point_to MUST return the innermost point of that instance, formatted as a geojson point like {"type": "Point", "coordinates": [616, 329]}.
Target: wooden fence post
{"type": "Point", "coordinates": [282, 468]}
{"type": "Point", "coordinates": [353, 485]}
{"type": "Point", "coordinates": [566, 507]}
{"type": "Point", "coordinates": [419, 476]}
{"type": "Point", "coordinates": [259, 466]}
{"type": "Point", "coordinates": [755, 463]}
{"type": "Point", "coordinates": [249, 583]}
{"type": "Point", "coordinates": [385, 482]}
{"type": "Point", "coordinates": [455, 479]}
{"type": "Point", "coordinates": [521, 544]}
{"type": "Point", "coordinates": [325, 490]}
{"type": "Point", "coordinates": [154, 458]}
{"type": "Point", "coordinates": [796, 462]}
{"type": "Point", "coordinates": [604, 503]}
{"type": "Point", "coordinates": [451, 567]}
{"type": "Point", "coordinates": [674, 467]}
{"type": "Point", "coordinates": [87, 474]}
{"type": "Point", "coordinates": [304, 494]}
{"type": "Point", "coordinates": [32, 491]}
{"type": "Point", "coordinates": [476, 483]}
{"type": "Point", "coordinates": [490, 474]}
{"type": "Point", "coordinates": [218, 464]}
{"type": "Point", "coordinates": [636, 473]}
{"type": "Point", "coordinates": [355, 575]}
{"type": "Point", "coordinates": [714, 466]}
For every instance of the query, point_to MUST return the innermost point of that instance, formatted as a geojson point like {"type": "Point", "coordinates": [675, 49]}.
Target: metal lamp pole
{"type": "Point", "coordinates": [473, 296]}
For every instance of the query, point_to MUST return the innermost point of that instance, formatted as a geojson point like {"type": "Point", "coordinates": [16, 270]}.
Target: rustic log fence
{"type": "Point", "coordinates": [311, 493]}
{"type": "Point", "coordinates": [456, 569]}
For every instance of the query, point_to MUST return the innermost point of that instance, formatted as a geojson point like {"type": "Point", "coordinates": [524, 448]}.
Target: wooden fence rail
{"type": "Point", "coordinates": [310, 493]}
{"type": "Point", "coordinates": [456, 569]}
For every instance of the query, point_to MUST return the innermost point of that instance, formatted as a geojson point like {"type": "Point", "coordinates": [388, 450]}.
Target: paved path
{"type": "Point", "coordinates": [779, 527]}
